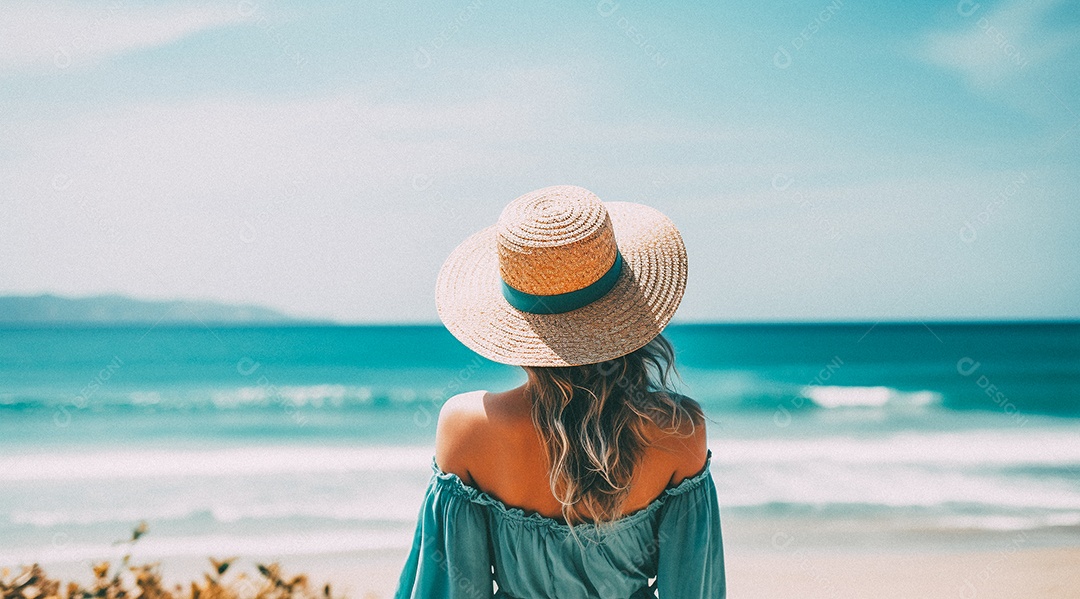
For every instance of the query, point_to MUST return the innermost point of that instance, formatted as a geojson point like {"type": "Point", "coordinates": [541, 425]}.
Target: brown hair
{"type": "Point", "coordinates": [596, 420]}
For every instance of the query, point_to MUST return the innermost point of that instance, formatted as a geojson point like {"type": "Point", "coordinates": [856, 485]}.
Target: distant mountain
{"type": "Point", "coordinates": [118, 309]}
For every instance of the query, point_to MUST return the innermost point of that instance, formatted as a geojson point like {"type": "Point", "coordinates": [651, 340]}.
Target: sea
{"type": "Point", "coordinates": [294, 442]}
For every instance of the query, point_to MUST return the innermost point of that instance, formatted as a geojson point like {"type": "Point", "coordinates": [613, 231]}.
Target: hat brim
{"type": "Point", "coordinates": [469, 299]}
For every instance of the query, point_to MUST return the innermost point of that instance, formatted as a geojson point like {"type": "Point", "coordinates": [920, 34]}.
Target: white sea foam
{"type": "Point", "coordinates": [297, 395]}
{"type": "Point", "coordinates": [1009, 523]}
{"type": "Point", "coordinates": [833, 397]}
{"type": "Point", "coordinates": [985, 447]}
{"type": "Point", "coordinates": [856, 488]}
{"type": "Point", "coordinates": [246, 461]}
{"type": "Point", "coordinates": [370, 508]}
{"type": "Point", "coordinates": [989, 468]}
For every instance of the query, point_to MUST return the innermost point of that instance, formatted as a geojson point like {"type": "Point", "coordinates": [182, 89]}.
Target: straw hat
{"type": "Point", "coordinates": [563, 279]}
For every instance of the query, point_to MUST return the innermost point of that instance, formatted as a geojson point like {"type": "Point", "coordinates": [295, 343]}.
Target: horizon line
{"type": "Point", "coordinates": [329, 323]}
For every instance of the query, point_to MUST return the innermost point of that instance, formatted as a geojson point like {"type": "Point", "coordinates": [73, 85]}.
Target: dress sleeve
{"type": "Point", "coordinates": [450, 556]}
{"type": "Point", "coordinates": [691, 551]}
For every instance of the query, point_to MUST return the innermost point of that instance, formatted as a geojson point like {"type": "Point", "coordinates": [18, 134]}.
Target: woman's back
{"type": "Point", "coordinates": [490, 519]}
{"type": "Point", "coordinates": [490, 441]}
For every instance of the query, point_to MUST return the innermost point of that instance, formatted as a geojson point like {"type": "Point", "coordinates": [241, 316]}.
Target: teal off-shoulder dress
{"type": "Point", "coordinates": [467, 542]}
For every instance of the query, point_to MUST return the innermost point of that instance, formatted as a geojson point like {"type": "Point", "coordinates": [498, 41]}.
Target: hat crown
{"type": "Point", "coordinates": [555, 240]}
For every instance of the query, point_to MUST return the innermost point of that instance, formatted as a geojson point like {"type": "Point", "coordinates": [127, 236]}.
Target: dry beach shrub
{"type": "Point", "coordinates": [143, 581]}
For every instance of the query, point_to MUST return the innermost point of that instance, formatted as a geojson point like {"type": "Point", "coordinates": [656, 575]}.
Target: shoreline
{"type": "Point", "coordinates": [803, 572]}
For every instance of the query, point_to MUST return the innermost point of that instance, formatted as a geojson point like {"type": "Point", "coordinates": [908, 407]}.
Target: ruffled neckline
{"type": "Point", "coordinates": [479, 497]}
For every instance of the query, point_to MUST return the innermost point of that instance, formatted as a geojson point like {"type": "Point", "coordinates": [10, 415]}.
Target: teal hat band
{"type": "Point", "coordinates": [564, 302]}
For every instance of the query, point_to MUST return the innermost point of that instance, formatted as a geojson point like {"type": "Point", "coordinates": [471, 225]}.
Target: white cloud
{"type": "Point", "coordinates": [63, 35]}
{"type": "Point", "coordinates": [996, 45]}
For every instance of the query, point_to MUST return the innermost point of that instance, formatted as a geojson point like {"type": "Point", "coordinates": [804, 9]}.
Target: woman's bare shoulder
{"type": "Point", "coordinates": [461, 422]}
{"type": "Point", "coordinates": [684, 446]}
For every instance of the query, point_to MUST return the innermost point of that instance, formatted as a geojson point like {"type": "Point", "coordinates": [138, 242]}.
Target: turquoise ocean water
{"type": "Point", "coordinates": [301, 441]}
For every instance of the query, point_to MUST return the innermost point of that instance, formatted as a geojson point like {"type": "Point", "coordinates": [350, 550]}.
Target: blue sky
{"type": "Point", "coordinates": [824, 160]}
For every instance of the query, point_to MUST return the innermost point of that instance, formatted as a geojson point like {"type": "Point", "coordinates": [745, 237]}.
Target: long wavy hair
{"type": "Point", "coordinates": [596, 420]}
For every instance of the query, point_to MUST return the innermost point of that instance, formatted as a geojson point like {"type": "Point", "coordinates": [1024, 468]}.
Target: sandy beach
{"type": "Point", "coordinates": [1049, 573]}
{"type": "Point", "coordinates": [1046, 573]}
{"type": "Point", "coordinates": [810, 573]}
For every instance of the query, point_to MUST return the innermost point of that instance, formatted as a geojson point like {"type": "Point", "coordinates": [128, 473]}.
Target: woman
{"type": "Point", "coordinates": [591, 479]}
